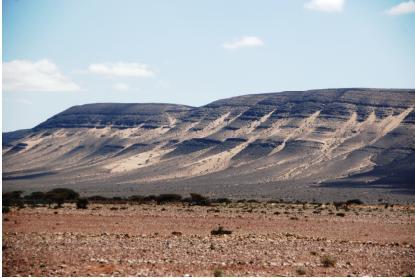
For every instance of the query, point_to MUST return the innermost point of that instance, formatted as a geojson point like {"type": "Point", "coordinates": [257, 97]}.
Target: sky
{"type": "Point", "coordinates": [57, 54]}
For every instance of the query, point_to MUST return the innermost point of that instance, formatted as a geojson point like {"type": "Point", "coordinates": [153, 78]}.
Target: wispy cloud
{"type": "Point", "coordinates": [328, 6]}
{"type": "Point", "coordinates": [243, 42]}
{"type": "Point", "coordinates": [121, 69]}
{"type": "Point", "coordinates": [43, 75]}
{"type": "Point", "coordinates": [402, 8]}
{"type": "Point", "coordinates": [121, 87]}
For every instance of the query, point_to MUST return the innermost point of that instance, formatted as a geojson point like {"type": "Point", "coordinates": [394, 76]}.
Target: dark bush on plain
{"type": "Point", "coordinates": [82, 203]}
{"type": "Point", "coordinates": [339, 205]}
{"type": "Point", "coordinates": [150, 198]}
{"type": "Point", "coordinates": [168, 198]}
{"type": "Point", "coordinates": [61, 195]}
{"type": "Point", "coordinates": [5, 209]}
{"type": "Point", "coordinates": [328, 261]}
{"type": "Point", "coordinates": [36, 196]}
{"type": "Point", "coordinates": [220, 231]}
{"type": "Point", "coordinates": [136, 198]}
{"type": "Point", "coordinates": [222, 200]}
{"type": "Point", "coordinates": [13, 198]}
{"type": "Point", "coordinates": [199, 200]}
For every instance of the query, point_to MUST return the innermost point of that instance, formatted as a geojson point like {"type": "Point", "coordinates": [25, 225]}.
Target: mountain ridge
{"type": "Point", "coordinates": [325, 142]}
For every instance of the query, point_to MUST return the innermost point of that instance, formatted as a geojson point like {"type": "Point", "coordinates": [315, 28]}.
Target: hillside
{"type": "Point", "coordinates": [328, 144]}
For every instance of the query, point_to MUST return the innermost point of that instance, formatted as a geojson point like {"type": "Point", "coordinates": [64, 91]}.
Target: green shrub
{"type": "Point", "coordinates": [82, 203]}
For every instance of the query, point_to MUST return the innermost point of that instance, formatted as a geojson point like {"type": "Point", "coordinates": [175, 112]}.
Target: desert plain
{"type": "Point", "coordinates": [266, 239]}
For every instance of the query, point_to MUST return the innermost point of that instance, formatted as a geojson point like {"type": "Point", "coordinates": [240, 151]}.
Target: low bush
{"type": "Point", "coordinates": [13, 198]}
{"type": "Point", "coordinates": [354, 202]}
{"type": "Point", "coordinates": [82, 203]}
{"type": "Point", "coordinates": [168, 198]}
{"type": "Point", "coordinates": [328, 261]}
{"type": "Point", "coordinates": [199, 200]}
{"type": "Point", "coordinates": [339, 205]}
{"type": "Point", "coordinates": [300, 270]}
{"type": "Point", "coordinates": [222, 200]}
{"type": "Point", "coordinates": [217, 273]}
{"type": "Point", "coordinates": [60, 196]}
{"type": "Point", "coordinates": [136, 198]}
{"type": "Point", "coordinates": [220, 231]}
{"type": "Point", "coordinates": [36, 196]}
{"type": "Point", "coordinates": [5, 209]}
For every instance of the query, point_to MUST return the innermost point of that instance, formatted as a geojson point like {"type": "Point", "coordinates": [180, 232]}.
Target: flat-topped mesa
{"type": "Point", "coordinates": [248, 145]}
{"type": "Point", "coordinates": [116, 115]}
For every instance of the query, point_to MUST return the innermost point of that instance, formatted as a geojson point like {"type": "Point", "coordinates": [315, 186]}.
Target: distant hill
{"type": "Point", "coordinates": [331, 144]}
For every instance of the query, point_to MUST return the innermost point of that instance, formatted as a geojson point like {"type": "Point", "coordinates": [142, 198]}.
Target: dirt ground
{"type": "Point", "coordinates": [175, 240]}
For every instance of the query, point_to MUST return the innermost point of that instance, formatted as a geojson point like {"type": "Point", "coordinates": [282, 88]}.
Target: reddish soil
{"type": "Point", "coordinates": [266, 240]}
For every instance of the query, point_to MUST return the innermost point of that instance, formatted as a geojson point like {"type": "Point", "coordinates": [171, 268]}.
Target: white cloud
{"type": "Point", "coordinates": [121, 87]}
{"type": "Point", "coordinates": [402, 8]}
{"type": "Point", "coordinates": [243, 42]}
{"type": "Point", "coordinates": [327, 6]}
{"type": "Point", "coordinates": [121, 69]}
{"type": "Point", "coordinates": [43, 75]}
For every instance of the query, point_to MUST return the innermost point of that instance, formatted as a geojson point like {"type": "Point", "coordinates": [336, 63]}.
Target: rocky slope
{"type": "Point", "coordinates": [320, 144]}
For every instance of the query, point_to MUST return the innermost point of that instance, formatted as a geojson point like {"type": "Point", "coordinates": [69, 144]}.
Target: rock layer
{"type": "Point", "coordinates": [330, 143]}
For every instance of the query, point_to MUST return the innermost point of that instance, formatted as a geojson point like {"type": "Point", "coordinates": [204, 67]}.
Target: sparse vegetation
{"type": "Point", "coordinates": [200, 200]}
{"type": "Point", "coordinates": [354, 202]}
{"type": "Point", "coordinates": [222, 200]}
{"type": "Point", "coordinates": [217, 273]}
{"type": "Point", "coordinates": [82, 203]}
{"type": "Point", "coordinates": [5, 209]}
{"type": "Point", "coordinates": [168, 198]}
{"type": "Point", "coordinates": [300, 271]}
{"type": "Point", "coordinates": [328, 261]}
{"type": "Point", "coordinates": [60, 196]}
{"type": "Point", "coordinates": [13, 198]}
{"type": "Point", "coordinates": [220, 231]}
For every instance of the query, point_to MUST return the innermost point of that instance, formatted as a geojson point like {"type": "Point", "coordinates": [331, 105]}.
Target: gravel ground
{"type": "Point", "coordinates": [175, 240]}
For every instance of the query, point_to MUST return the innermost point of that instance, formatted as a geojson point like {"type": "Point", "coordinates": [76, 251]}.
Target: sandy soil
{"type": "Point", "coordinates": [165, 240]}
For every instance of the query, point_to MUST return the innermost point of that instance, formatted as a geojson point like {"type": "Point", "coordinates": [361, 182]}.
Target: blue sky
{"type": "Point", "coordinates": [57, 54]}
